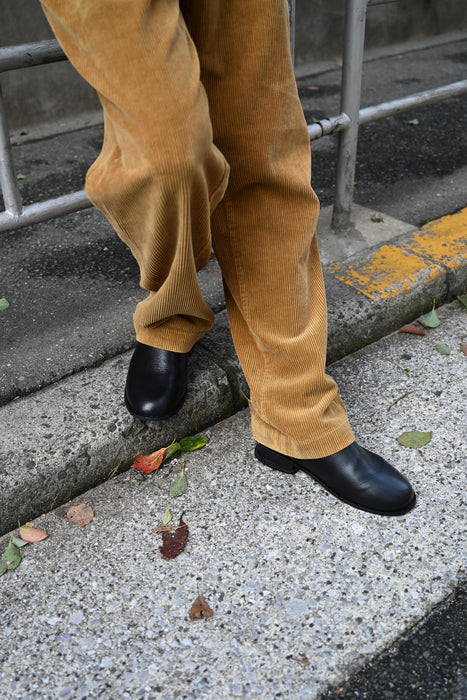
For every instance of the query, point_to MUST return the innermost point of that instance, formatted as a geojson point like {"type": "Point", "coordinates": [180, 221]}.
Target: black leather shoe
{"type": "Point", "coordinates": [354, 475]}
{"type": "Point", "coordinates": [156, 382]}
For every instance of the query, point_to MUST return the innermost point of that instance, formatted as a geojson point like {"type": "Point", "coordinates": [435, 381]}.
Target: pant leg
{"type": "Point", "coordinates": [159, 175]}
{"type": "Point", "coordinates": [264, 229]}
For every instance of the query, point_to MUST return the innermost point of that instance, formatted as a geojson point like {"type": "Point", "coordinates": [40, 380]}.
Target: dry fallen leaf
{"type": "Point", "coordinates": [80, 514]}
{"type": "Point", "coordinates": [146, 464]}
{"type": "Point", "coordinates": [377, 218]}
{"type": "Point", "coordinates": [200, 609]}
{"type": "Point", "coordinates": [464, 348]}
{"type": "Point", "coordinates": [10, 559]}
{"type": "Point", "coordinates": [180, 485]}
{"type": "Point", "coordinates": [443, 349]}
{"type": "Point", "coordinates": [190, 444]}
{"type": "Point", "coordinates": [411, 328]}
{"type": "Point", "coordinates": [414, 439]}
{"type": "Point", "coordinates": [173, 543]}
{"type": "Point", "coordinates": [167, 517]}
{"type": "Point", "coordinates": [430, 320]}
{"type": "Point", "coordinates": [29, 533]}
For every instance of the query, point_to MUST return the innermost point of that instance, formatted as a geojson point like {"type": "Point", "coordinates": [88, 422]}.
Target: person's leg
{"type": "Point", "coordinates": [264, 229]}
{"type": "Point", "coordinates": [159, 175]}
{"type": "Point", "coordinates": [264, 238]}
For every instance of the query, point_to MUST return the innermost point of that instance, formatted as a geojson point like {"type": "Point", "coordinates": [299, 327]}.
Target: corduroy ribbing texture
{"type": "Point", "coordinates": [205, 145]}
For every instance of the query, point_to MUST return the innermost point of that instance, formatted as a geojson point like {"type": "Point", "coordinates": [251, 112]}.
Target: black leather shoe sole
{"type": "Point", "coordinates": [344, 471]}
{"type": "Point", "coordinates": [153, 419]}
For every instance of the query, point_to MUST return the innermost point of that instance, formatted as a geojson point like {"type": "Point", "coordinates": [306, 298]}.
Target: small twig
{"type": "Point", "coordinates": [302, 660]}
{"type": "Point", "coordinates": [53, 502]}
{"type": "Point", "coordinates": [168, 528]}
{"type": "Point", "coordinates": [114, 471]}
{"type": "Point", "coordinates": [399, 399]}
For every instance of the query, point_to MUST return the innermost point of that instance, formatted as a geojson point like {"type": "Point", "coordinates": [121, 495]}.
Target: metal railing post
{"type": "Point", "coordinates": [8, 183]}
{"type": "Point", "coordinates": [292, 4]}
{"type": "Point", "coordinates": [354, 38]}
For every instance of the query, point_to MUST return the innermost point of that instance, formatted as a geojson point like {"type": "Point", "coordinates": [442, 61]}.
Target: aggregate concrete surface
{"type": "Point", "coordinates": [304, 589]}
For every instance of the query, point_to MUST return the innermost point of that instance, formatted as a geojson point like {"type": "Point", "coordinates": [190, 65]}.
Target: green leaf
{"type": "Point", "coordinates": [167, 517]}
{"type": "Point", "coordinates": [413, 122]}
{"type": "Point", "coordinates": [23, 132]}
{"type": "Point", "coordinates": [414, 439]}
{"type": "Point", "coordinates": [172, 451]}
{"type": "Point", "coordinates": [180, 485]}
{"type": "Point", "coordinates": [430, 320]}
{"type": "Point", "coordinates": [463, 300]}
{"type": "Point", "coordinates": [190, 444]}
{"type": "Point", "coordinates": [4, 304]}
{"type": "Point", "coordinates": [20, 176]}
{"type": "Point", "coordinates": [18, 542]}
{"type": "Point", "coordinates": [443, 349]}
{"type": "Point", "coordinates": [11, 557]}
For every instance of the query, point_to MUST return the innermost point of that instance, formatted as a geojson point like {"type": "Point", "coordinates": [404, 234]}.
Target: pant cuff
{"type": "Point", "coordinates": [166, 338]}
{"type": "Point", "coordinates": [320, 444]}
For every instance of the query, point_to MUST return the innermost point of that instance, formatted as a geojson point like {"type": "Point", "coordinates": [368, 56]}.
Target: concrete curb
{"type": "Point", "coordinates": [376, 291]}
{"type": "Point", "coordinates": [70, 436]}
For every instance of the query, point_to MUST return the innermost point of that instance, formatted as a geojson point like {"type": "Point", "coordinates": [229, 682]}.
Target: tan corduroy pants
{"type": "Point", "coordinates": [206, 145]}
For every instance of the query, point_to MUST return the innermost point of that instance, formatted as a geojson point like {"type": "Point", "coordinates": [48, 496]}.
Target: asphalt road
{"type": "Point", "coordinates": [429, 663]}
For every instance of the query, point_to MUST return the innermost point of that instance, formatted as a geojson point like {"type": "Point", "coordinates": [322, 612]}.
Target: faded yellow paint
{"type": "Point", "coordinates": [393, 269]}
{"type": "Point", "coordinates": [388, 273]}
{"type": "Point", "coordinates": [444, 240]}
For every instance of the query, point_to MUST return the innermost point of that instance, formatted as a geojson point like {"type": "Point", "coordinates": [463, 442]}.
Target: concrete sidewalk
{"type": "Point", "coordinates": [304, 589]}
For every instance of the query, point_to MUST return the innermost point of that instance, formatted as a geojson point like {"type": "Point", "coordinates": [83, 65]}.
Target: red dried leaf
{"type": "Point", "coordinates": [174, 542]}
{"type": "Point", "coordinates": [200, 609]}
{"type": "Point", "coordinates": [411, 328]}
{"type": "Point", "coordinates": [464, 348]}
{"type": "Point", "coordinates": [149, 463]}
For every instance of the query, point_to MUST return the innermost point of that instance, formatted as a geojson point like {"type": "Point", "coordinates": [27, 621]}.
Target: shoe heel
{"type": "Point", "coordinates": [275, 460]}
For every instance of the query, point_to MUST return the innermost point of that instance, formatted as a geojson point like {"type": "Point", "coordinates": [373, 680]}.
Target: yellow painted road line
{"type": "Point", "coordinates": [419, 258]}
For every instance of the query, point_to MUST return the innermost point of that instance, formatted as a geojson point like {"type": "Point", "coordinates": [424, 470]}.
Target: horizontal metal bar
{"type": "Point", "coordinates": [33, 54]}
{"type": "Point", "coordinates": [419, 99]}
{"type": "Point", "coordinates": [374, 3]}
{"type": "Point", "coordinates": [325, 127]}
{"type": "Point", "coordinates": [368, 115]}
{"type": "Point", "coordinates": [43, 211]}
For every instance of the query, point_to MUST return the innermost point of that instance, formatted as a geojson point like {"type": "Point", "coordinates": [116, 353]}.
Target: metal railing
{"type": "Point", "coordinates": [16, 215]}
{"type": "Point", "coordinates": [346, 123]}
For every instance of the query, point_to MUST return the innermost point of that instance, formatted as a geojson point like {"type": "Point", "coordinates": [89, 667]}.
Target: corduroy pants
{"type": "Point", "coordinates": [205, 145]}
